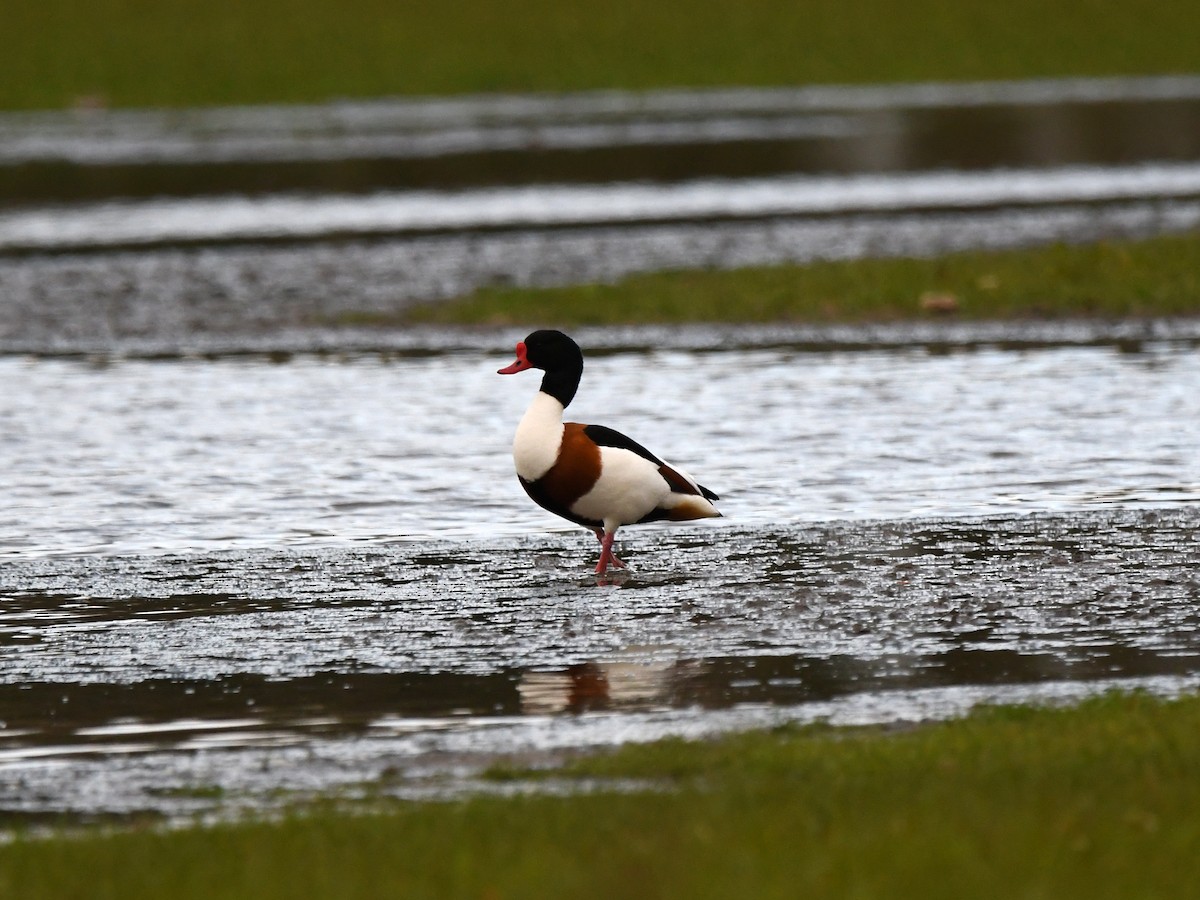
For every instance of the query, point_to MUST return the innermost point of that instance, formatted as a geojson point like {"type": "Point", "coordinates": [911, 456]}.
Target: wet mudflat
{"type": "Point", "coordinates": [168, 299]}
{"type": "Point", "coordinates": [232, 582]}
{"type": "Point", "coordinates": [225, 681]}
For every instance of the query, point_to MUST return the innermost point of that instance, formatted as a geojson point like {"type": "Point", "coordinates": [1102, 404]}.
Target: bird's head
{"type": "Point", "coordinates": [550, 351]}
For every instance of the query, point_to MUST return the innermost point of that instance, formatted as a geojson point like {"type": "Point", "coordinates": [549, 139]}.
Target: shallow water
{"type": "Point", "coordinates": [656, 136]}
{"type": "Point", "coordinates": [174, 227]}
{"type": "Point", "coordinates": [232, 582]}
{"type": "Point", "coordinates": [298, 217]}
{"type": "Point", "coordinates": [139, 456]}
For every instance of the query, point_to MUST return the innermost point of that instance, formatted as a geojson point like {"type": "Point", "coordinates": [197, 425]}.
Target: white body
{"type": "Point", "coordinates": [629, 488]}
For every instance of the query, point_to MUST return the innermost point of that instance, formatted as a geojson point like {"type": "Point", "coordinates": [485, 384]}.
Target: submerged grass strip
{"type": "Point", "coordinates": [1158, 277]}
{"type": "Point", "coordinates": [1097, 801]}
{"type": "Point", "coordinates": [199, 52]}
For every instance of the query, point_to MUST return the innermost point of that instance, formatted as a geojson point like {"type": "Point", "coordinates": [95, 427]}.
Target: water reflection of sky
{"type": "Point", "coordinates": [237, 218]}
{"type": "Point", "coordinates": [138, 456]}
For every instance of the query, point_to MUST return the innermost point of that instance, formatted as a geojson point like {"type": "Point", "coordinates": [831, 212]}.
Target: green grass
{"type": "Point", "coordinates": [1097, 801]}
{"type": "Point", "coordinates": [1158, 277]}
{"type": "Point", "coordinates": [198, 52]}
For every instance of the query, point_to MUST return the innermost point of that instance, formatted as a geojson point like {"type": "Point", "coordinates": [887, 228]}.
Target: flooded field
{"type": "Point", "coordinates": [165, 228]}
{"type": "Point", "coordinates": [231, 582]}
{"type": "Point", "coordinates": [250, 553]}
{"type": "Point", "coordinates": [661, 137]}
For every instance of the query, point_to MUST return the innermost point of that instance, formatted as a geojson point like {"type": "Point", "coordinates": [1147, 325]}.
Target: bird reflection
{"type": "Point", "coordinates": [593, 686]}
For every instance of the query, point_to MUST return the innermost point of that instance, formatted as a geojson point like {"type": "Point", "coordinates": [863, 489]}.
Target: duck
{"type": "Point", "coordinates": [591, 475]}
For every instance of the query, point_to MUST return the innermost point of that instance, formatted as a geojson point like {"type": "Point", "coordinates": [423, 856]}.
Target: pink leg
{"type": "Point", "coordinates": [607, 557]}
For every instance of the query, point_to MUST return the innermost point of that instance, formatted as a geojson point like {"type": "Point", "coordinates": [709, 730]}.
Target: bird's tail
{"type": "Point", "coordinates": [682, 507]}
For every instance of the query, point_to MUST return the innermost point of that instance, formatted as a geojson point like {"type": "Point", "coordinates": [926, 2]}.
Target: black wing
{"type": "Point", "coordinates": [609, 437]}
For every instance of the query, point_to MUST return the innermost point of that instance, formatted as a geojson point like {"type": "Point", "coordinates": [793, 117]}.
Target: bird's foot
{"type": "Point", "coordinates": [607, 557]}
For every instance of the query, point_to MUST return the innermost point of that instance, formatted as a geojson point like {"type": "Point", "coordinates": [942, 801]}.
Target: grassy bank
{"type": "Point", "coordinates": [1158, 277]}
{"type": "Point", "coordinates": [197, 52]}
{"type": "Point", "coordinates": [1098, 801]}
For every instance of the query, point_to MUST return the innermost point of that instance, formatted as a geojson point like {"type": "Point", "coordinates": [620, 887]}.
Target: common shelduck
{"type": "Point", "coordinates": [591, 475]}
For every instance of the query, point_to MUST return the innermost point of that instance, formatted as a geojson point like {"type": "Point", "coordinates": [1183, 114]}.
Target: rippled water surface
{"type": "Point", "coordinates": [236, 580]}
{"type": "Point", "coordinates": [135, 456]}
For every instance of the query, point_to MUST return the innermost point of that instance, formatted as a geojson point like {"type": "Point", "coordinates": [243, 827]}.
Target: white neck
{"type": "Point", "coordinates": [538, 437]}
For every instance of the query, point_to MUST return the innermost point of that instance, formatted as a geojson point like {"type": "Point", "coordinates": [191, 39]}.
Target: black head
{"type": "Point", "coordinates": [557, 355]}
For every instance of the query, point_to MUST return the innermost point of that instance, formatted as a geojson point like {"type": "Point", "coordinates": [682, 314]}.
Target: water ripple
{"type": "Point", "coordinates": [141, 456]}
